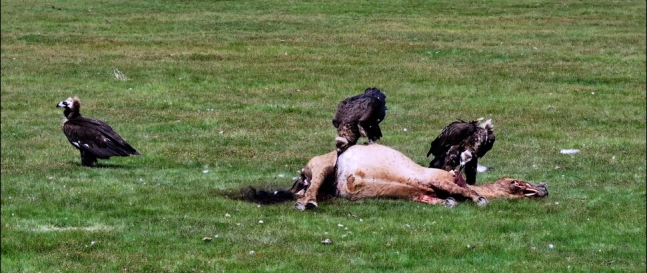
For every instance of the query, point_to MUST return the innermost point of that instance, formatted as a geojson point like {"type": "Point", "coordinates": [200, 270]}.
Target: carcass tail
{"type": "Point", "coordinates": [267, 197]}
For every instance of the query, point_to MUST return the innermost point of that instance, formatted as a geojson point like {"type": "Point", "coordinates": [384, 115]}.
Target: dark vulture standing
{"type": "Point", "coordinates": [462, 144]}
{"type": "Point", "coordinates": [359, 116]}
{"type": "Point", "coordinates": [93, 138]}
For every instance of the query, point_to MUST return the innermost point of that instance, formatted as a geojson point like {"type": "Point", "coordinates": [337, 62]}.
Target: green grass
{"type": "Point", "coordinates": [247, 90]}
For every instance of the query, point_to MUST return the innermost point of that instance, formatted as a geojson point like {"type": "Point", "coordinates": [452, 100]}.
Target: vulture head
{"type": "Point", "coordinates": [466, 156]}
{"type": "Point", "coordinates": [71, 105]}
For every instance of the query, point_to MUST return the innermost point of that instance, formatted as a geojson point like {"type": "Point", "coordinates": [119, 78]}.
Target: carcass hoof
{"type": "Point", "coordinates": [450, 202]}
{"type": "Point", "coordinates": [299, 206]}
{"type": "Point", "coordinates": [311, 205]}
{"type": "Point", "coordinates": [481, 201]}
{"type": "Point", "coordinates": [308, 205]}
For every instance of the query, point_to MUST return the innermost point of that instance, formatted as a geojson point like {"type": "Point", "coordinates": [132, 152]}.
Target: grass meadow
{"type": "Point", "coordinates": [221, 95]}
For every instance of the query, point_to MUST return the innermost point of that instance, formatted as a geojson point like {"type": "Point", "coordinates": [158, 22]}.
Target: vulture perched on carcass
{"type": "Point", "coordinates": [93, 138]}
{"type": "Point", "coordinates": [359, 116]}
{"type": "Point", "coordinates": [462, 144]}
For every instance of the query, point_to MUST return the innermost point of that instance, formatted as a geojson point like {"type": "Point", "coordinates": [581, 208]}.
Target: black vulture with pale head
{"type": "Point", "coordinates": [92, 137]}
{"type": "Point", "coordinates": [359, 116]}
{"type": "Point", "coordinates": [461, 144]}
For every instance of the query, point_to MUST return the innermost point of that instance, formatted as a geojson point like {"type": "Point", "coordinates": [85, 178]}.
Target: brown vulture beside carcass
{"type": "Point", "coordinates": [359, 116]}
{"type": "Point", "coordinates": [462, 144]}
{"type": "Point", "coordinates": [92, 137]}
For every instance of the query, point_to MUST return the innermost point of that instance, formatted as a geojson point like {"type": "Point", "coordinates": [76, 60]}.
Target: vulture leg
{"type": "Point", "coordinates": [364, 131]}
{"type": "Point", "coordinates": [87, 158]}
{"type": "Point", "coordinates": [470, 171]}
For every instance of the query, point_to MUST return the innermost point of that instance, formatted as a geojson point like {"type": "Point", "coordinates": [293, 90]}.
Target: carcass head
{"type": "Point", "coordinates": [512, 188]}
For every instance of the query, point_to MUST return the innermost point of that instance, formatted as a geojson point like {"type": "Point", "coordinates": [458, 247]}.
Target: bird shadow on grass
{"type": "Point", "coordinates": [259, 196]}
{"type": "Point", "coordinates": [104, 165]}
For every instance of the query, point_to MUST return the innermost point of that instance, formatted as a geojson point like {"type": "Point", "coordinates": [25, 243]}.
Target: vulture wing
{"type": "Point", "coordinates": [353, 109]}
{"type": "Point", "coordinates": [380, 99]}
{"type": "Point", "coordinates": [487, 142]}
{"type": "Point", "coordinates": [451, 135]}
{"type": "Point", "coordinates": [369, 106]}
{"type": "Point", "coordinates": [342, 110]}
{"type": "Point", "coordinates": [370, 109]}
{"type": "Point", "coordinates": [96, 137]}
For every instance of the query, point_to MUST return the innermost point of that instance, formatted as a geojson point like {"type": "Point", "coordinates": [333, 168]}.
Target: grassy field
{"type": "Point", "coordinates": [221, 95]}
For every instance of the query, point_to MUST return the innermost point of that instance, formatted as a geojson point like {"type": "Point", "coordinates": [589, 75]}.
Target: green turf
{"type": "Point", "coordinates": [221, 95]}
